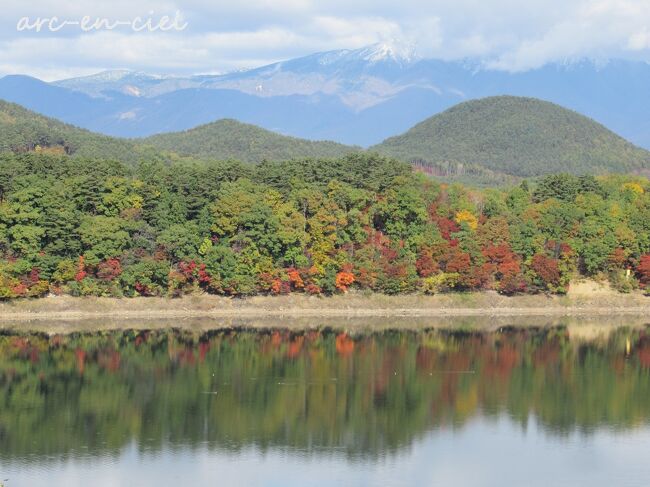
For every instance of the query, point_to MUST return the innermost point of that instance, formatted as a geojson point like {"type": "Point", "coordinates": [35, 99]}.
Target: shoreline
{"type": "Point", "coordinates": [352, 305]}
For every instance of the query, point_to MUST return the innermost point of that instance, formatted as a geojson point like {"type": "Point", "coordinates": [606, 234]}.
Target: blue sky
{"type": "Point", "coordinates": [226, 35]}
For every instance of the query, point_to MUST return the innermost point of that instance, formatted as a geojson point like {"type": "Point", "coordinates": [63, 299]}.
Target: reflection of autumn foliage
{"type": "Point", "coordinates": [80, 355]}
{"type": "Point", "coordinates": [506, 359]}
{"type": "Point", "coordinates": [21, 344]}
{"type": "Point", "coordinates": [186, 356]}
{"type": "Point", "coordinates": [140, 339]}
{"type": "Point", "coordinates": [547, 354]}
{"type": "Point", "coordinates": [643, 352]}
{"type": "Point", "coordinates": [313, 335]}
{"type": "Point", "coordinates": [425, 359]}
{"type": "Point", "coordinates": [25, 349]}
{"type": "Point", "coordinates": [276, 339]}
{"type": "Point", "coordinates": [295, 346]}
{"type": "Point", "coordinates": [344, 344]}
{"type": "Point", "coordinates": [618, 364]}
{"type": "Point", "coordinates": [458, 361]}
{"type": "Point", "coordinates": [109, 360]}
{"type": "Point", "coordinates": [204, 348]}
{"type": "Point", "coordinates": [644, 356]}
{"type": "Point", "coordinates": [361, 392]}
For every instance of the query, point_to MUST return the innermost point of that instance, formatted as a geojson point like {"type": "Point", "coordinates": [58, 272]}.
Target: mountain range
{"type": "Point", "coordinates": [486, 141]}
{"type": "Point", "coordinates": [23, 131]}
{"type": "Point", "coordinates": [357, 97]}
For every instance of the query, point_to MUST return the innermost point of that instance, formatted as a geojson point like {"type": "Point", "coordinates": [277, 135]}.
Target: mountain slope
{"type": "Point", "coordinates": [517, 136]}
{"type": "Point", "coordinates": [485, 140]}
{"type": "Point", "coordinates": [229, 139]}
{"type": "Point", "coordinates": [22, 130]}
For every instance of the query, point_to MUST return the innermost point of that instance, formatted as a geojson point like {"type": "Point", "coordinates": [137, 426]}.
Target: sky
{"type": "Point", "coordinates": [221, 36]}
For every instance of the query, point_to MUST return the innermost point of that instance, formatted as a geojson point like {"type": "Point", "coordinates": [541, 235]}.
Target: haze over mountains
{"type": "Point", "coordinates": [350, 96]}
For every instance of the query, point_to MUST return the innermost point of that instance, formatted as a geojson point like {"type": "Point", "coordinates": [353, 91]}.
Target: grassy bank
{"type": "Point", "coordinates": [348, 305]}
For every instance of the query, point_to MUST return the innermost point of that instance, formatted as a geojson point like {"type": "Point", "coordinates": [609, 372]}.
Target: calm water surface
{"type": "Point", "coordinates": [531, 406]}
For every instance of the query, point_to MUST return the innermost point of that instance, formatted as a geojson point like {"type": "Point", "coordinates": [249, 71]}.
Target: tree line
{"type": "Point", "coordinates": [102, 228]}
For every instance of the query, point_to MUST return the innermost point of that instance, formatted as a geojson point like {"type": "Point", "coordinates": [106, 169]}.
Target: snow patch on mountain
{"type": "Point", "coordinates": [390, 51]}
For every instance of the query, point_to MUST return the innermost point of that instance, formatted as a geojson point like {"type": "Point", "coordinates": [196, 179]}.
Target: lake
{"type": "Point", "coordinates": [461, 406]}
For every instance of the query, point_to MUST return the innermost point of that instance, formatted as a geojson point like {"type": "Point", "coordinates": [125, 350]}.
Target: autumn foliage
{"type": "Point", "coordinates": [344, 280]}
{"type": "Point", "coordinates": [643, 270]}
{"type": "Point", "coordinates": [315, 227]}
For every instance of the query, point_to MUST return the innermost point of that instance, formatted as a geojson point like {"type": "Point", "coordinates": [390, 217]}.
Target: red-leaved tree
{"type": "Point", "coordinates": [643, 270]}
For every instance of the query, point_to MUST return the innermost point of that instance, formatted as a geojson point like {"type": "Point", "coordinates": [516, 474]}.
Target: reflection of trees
{"type": "Point", "coordinates": [360, 394]}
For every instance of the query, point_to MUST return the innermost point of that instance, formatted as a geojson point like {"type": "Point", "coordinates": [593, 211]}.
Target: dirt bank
{"type": "Point", "coordinates": [346, 306]}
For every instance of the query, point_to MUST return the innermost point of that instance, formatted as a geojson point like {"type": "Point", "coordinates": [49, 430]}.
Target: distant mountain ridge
{"type": "Point", "coordinates": [357, 97]}
{"type": "Point", "coordinates": [307, 75]}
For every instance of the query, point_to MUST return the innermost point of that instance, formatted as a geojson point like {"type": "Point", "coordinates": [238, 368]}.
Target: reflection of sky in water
{"type": "Point", "coordinates": [482, 453]}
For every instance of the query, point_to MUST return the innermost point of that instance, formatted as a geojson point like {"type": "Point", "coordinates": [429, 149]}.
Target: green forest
{"type": "Point", "coordinates": [516, 136]}
{"type": "Point", "coordinates": [230, 139]}
{"type": "Point", "coordinates": [493, 141]}
{"type": "Point", "coordinates": [23, 130]}
{"type": "Point", "coordinates": [89, 227]}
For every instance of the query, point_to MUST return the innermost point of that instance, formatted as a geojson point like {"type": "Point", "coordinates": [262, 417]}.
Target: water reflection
{"type": "Point", "coordinates": [119, 396]}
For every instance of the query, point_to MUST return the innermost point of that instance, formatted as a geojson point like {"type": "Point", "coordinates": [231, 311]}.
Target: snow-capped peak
{"type": "Point", "coordinates": [393, 50]}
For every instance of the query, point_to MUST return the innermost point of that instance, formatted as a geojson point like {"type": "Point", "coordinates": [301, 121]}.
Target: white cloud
{"type": "Point", "coordinates": [597, 29]}
{"type": "Point", "coordinates": [639, 40]}
{"type": "Point", "coordinates": [505, 34]}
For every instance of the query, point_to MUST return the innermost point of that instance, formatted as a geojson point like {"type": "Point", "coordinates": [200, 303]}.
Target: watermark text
{"type": "Point", "coordinates": [88, 23]}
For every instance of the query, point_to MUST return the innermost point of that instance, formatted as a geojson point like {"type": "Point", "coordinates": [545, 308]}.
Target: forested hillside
{"type": "Point", "coordinates": [92, 227]}
{"type": "Point", "coordinates": [489, 142]}
{"type": "Point", "coordinates": [516, 136]}
{"type": "Point", "coordinates": [22, 130]}
{"type": "Point", "coordinates": [230, 139]}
